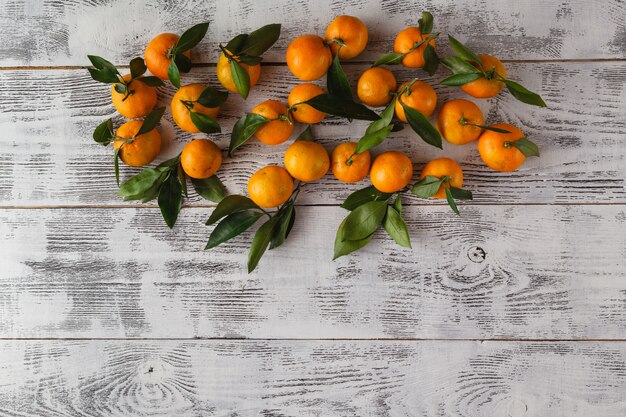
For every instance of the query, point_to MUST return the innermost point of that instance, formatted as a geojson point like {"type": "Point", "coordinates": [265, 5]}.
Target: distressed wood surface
{"type": "Point", "coordinates": [63, 33]}
{"type": "Point", "coordinates": [312, 378]}
{"type": "Point", "coordinates": [496, 272]}
{"type": "Point", "coordinates": [49, 157]}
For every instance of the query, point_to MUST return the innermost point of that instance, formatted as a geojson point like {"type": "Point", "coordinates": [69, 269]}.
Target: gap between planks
{"type": "Point", "coordinates": [321, 339]}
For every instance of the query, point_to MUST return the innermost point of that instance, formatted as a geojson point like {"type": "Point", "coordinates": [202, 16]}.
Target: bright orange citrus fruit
{"type": "Point", "coordinates": [444, 167]}
{"type": "Point", "coordinates": [276, 131]}
{"type": "Point", "coordinates": [138, 103]}
{"type": "Point", "coordinates": [142, 150]}
{"type": "Point", "coordinates": [303, 112]}
{"type": "Point", "coordinates": [405, 40]}
{"type": "Point", "coordinates": [186, 96]}
{"type": "Point", "coordinates": [350, 172]}
{"type": "Point", "coordinates": [155, 55]}
{"type": "Point", "coordinates": [457, 119]}
{"type": "Point", "coordinates": [421, 97]}
{"type": "Point", "coordinates": [225, 76]}
{"type": "Point", "coordinates": [308, 57]}
{"type": "Point", "coordinates": [270, 187]}
{"type": "Point", "coordinates": [201, 158]}
{"type": "Point", "coordinates": [375, 86]}
{"type": "Point", "coordinates": [483, 87]}
{"type": "Point", "coordinates": [496, 150]}
{"type": "Point", "coordinates": [391, 171]}
{"type": "Point", "coordinates": [351, 31]}
{"type": "Point", "coordinates": [306, 160]}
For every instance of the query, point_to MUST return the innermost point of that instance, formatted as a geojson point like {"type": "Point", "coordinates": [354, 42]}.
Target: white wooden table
{"type": "Point", "coordinates": [106, 312]}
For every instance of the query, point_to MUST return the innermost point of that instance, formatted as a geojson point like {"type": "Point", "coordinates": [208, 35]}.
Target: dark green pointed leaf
{"type": "Point", "coordinates": [103, 134]}
{"type": "Point", "coordinates": [204, 123]}
{"type": "Point", "coordinates": [426, 23]}
{"type": "Point", "coordinates": [173, 74]}
{"type": "Point", "coordinates": [431, 60]}
{"type": "Point", "coordinates": [422, 126]}
{"type": "Point", "coordinates": [373, 139]}
{"type": "Point", "coordinates": [337, 81]}
{"type": "Point", "coordinates": [341, 107]}
{"type": "Point", "coordinates": [451, 202]}
{"type": "Point", "coordinates": [231, 204]}
{"type": "Point", "coordinates": [523, 94]}
{"type": "Point", "coordinates": [182, 178]}
{"type": "Point", "coordinates": [364, 220]}
{"type": "Point", "coordinates": [460, 194]}
{"type": "Point", "coordinates": [396, 227]}
{"type": "Point", "coordinates": [102, 64]}
{"type": "Point", "coordinates": [259, 41]}
{"type": "Point", "coordinates": [427, 186]}
{"type": "Point", "coordinates": [244, 129]}
{"type": "Point", "coordinates": [211, 97]}
{"type": "Point", "coordinates": [391, 58]}
{"type": "Point", "coordinates": [210, 188]}
{"type": "Point", "coordinates": [120, 88]}
{"type": "Point", "coordinates": [458, 80]}
{"type": "Point", "coordinates": [240, 78]}
{"type": "Point", "coordinates": [493, 129]}
{"type": "Point", "coordinates": [385, 118]}
{"type": "Point", "coordinates": [137, 67]}
{"type": "Point", "coordinates": [458, 65]}
{"type": "Point", "coordinates": [182, 62]}
{"type": "Point", "coordinates": [344, 247]}
{"type": "Point", "coordinates": [152, 81]}
{"type": "Point", "coordinates": [170, 199]}
{"type": "Point", "coordinates": [527, 147]}
{"type": "Point", "coordinates": [151, 121]}
{"type": "Point", "coordinates": [398, 204]}
{"type": "Point", "coordinates": [116, 164]}
{"type": "Point", "coordinates": [191, 37]}
{"type": "Point", "coordinates": [104, 76]}
{"type": "Point", "coordinates": [235, 44]}
{"type": "Point", "coordinates": [307, 134]}
{"type": "Point", "coordinates": [249, 59]}
{"type": "Point", "coordinates": [280, 231]}
{"type": "Point", "coordinates": [362, 196]}
{"type": "Point", "coordinates": [260, 242]}
{"type": "Point", "coordinates": [138, 186]}
{"type": "Point", "coordinates": [170, 162]}
{"type": "Point", "coordinates": [233, 225]}
{"type": "Point", "coordinates": [463, 51]}
{"type": "Point", "coordinates": [292, 221]}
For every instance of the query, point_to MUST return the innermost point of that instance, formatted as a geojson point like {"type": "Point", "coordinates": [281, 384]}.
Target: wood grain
{"type": "Point", "coordinates": [495, 272]}
{"type": "Point", "coordinates": [312, 378]}
{"type": "Point", "coordinates": [64, 33]}
{"type": "Point", "coordinates": [49, 158]}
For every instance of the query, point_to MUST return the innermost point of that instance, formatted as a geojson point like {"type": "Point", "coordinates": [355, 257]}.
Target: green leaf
{"type": "Point", "coordinates": [451, 202]}
{"type": "Point", "coordinates": [344, 247]}
{"type": "Point", "coordinates": [461, 194]}
{"type": "Point", "coordinates": [116, 164]}
{"type": "Point", "coordinates": [137, 67]}
{"type": "Point", "coordinates": [244, 129]}
{"type": "Point", "coordinates": [341, 107]}
{"type": "Point", "coordinates": [523, 94]}
{"type": "Point", "coordinates": [211, 97]}
{"type": "Point", "coordinates": [385, 118]}
{"type": "Point", "coordinates": [458, 80]}
{"type": "Point", "coordinates": [260, 242]}
{"type": "Point", "coordinates": [463, 51]}
{"type": "Point", "coordinates": [493, 129]}
{"type": "Point", "coordinates": [204, 123]}
{"type": "Point", "coordinates": [307, 134]}
{"type": "Point", "coordinates": [191, 37]}
{"type": "Point", "coordinates": [364, 220]}
{"type": "Point", "coordinates": [231, 204]}
{"type": "Point", "coordinates": [260, 40]}
{"type": "Point", "coordinates": [173, 74]}
{"type": "Point", "coordinates": [431, 60]}
{"type": "Point", "coordinates": [104, 76]}
{"type": "Point", "coordinates": [398, 204]}
{"type": "Point", "coordinates": [233, 225]}
{"type": "Point", "coordinates": [391, 58]}
{"type": "Point", "coordinates": [372, 139]}
{"type": "Point", "coordinates": [427, 186]}
{"type": "Point", "coordinates": [284, 219]}
{"type": "Point", "coordinates": [182, 178]}
{"type": "Point", "coordinates": [364, 195]}
{"type": "Point", "coordinates": [235, 44]}
{"type": "Point", "coordinates": [426, 23]}
{"type": "Point", "coordinates": [120, 88]}
{"type": "Point", "coordinates": [527, 147]}
{"type": "Point", "coordinates": [182, 62]}
{"type": "Point", "coordinates": [240, 78]}
{"type": "Point", "coordinates": [152, 81]}
{"type": "Point", "coordinates": [395, 226]}
{"type": "Point", "coordinates": [249, 59]}
{"type": "Point", "coordinates": [139, 187]}
{"type": "Point", "coordinates": [210, 188]}
{"type": "Point", "coordinates": [101, 63]}
{"type": "Point", "coordinates": [337, 81]}
{"type": "Point", "coordinates": [103, 133]}
{"type": "Point", "coordinates": [458, 65]}
{"type": "Point", "coordinates": [422, 126]}
{"type": "Point", "coordinates": [151, 121]}
{"type": "Point", "coordinates": [170, 162]}
{"type": "Point", "coordinates": [170, 199]}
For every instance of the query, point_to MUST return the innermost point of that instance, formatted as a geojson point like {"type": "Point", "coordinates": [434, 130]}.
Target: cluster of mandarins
{"type": "Point", "coordinates": [195, 108]}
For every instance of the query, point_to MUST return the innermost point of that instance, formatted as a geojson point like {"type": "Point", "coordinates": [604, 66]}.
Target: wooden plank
{"type": "Point", "coordinates": [312, 378]}
{"type": "Point", "coordinates": [50, 33]}
{"type": "Point", "coordinates": [495, 272]}
{"type": "Point", "coordinates": [49, 157]}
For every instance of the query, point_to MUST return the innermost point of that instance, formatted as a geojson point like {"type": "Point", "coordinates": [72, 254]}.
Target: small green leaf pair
{"type": "Point", "coordinates": [429, 185]}
{"type": "Point", "coordinates": [247, 49]}
{"type": "Point", "coordinates": [167, 183]}
{"type": "Point", "coordinates": [210, 97]}
{"type": "Point", "coordinates": [466, 67]}
{"type": "Point", "coordinates": [105, 72]}
{"type": "Point", "coordinates": [178, 61]}
{"type": "Point", "coordinates": [378, 130]}
{"type": "Point", "coordinates": [431, 60]}
{"type": "Point", "coordinates": [369, 208]}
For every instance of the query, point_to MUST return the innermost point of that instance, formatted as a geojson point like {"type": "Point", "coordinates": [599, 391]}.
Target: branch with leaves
{"type": "Point", "coordinates": [210, 97]}
{"type": "Point", "coordinates": [105, 72]}
{"type": "Point", "coordinates": [179, 62]}
{"type": "Point", "coordinates": [428, 186]}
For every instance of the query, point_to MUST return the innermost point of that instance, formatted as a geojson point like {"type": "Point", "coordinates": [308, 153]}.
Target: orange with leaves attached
{"type": "Point", "coordinates": [279, 128]}
{"type": "Point", "coordinates": [156, 54]}
{"type": "Point", "coordinates": [350, 31]}
{"type": "Point", "coordinates": [391, 171]}
{"type": "Point", "coordinates": [184, 101]}
{"type": "Point", "coordinates": [306, 160]}
{"type": "Point", "coordinates": [225, 75]}
{"type": "Point", "coordinates": [348, 167]}
{"type": "Point", "coordinates": [303, 112]}
{"type": "Point", "coordinates": [308, 57]}
{"type": "Point", "coordinates": [139, 100]}
{"type": "Point", "coordinates": [496, 149]}
{"type": "Point", "coordinates": [444, 167]}
{"type": "Point", "coordinates": [419, 96]}
{"type": "Point", "coordinates": [142, 149]}
{"type": "Point", "coordinates": [270, 187]}
{"type": "Point", "coordinates": [406, 40]}
{"type": "Point", "coordinates": [376, 86]}
{"type": "Point", "coordinates": [490, 86]}
{"type": "Point", "coordinates": [201, 158]}
{"type": "Point", "coordinates": [459, 121]}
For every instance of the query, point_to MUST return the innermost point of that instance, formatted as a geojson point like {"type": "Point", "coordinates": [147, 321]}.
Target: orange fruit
{"type": "Point", "coordinates": [455, 120]}
{"type": "Point", "coordinates": [355, 171]}
{"type": "Point", "coordinates": [497, 152]}
{"type": "Point", "coordinates": [306, 160]}
{"type": "Point", "coordinates": [483, 87]}
{"type": "Point", "coordinates": [375, 85]}
{"type": "Point", "coordinates": [303, 112]}
{"type": "Point", "coordinates": [405, 41]}
{"type": "Point", "coordinates": [308, 57]}
{"type": "Point", "coordinates": [421, 97]}
{"type": "Point", "coordinates": [276, 131]}
{"type": "Point", "coordinates": [201, 158]}
{"type": "Point", "coordinates": [156, 54]}
{"type": "Point", "coordinates": [444, 167]}
{"type": "Point", "coordinates": [225, 76]}
{"type": "Point", "coordinates": [140, 101]}
{"type": "Point", "coordinates": [270, 186]}
{"type": "Point", "coordinates": [391, 171]}
{"type": "Point", "coordinates": [140, 151]}
{"type": "Point", "coordinates": [186, 96]}
{"type": "Point", "coordinates": [352, 31]}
